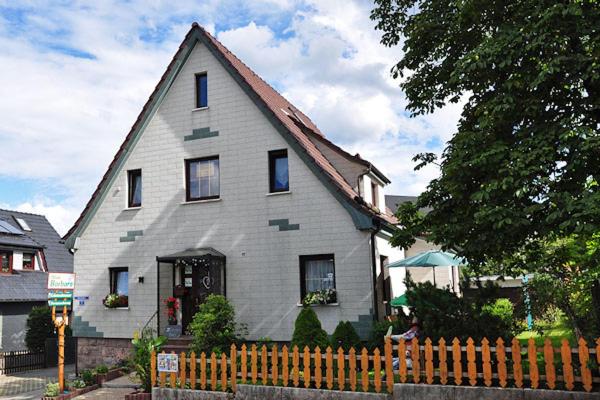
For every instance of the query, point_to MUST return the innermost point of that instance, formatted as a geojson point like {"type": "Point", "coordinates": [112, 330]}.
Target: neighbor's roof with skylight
{"type": "Point", "coordinates": [5, 227]}
{"type": "Point", "coordinates": [24, 225]}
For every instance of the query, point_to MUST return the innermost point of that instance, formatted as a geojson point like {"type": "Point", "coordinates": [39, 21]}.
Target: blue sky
{"type": "Point", "coordinates": [76, 74]}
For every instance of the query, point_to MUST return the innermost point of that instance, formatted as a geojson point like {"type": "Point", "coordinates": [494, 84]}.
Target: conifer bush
{"type": "Point", "coordinates": [308, 331]}
{"type": "Point", "coordinates": [345, 336]}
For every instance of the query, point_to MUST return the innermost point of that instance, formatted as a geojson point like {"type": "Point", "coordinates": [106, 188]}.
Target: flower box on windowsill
{"type": "Point", "coordinates": [116, 301]}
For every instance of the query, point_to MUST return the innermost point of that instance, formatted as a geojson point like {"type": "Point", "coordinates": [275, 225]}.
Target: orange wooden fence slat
{"type": "Point", "coordinates": [203, 371]}
{"type": "Point", "coordinates": [223, 372]}
{"type": "Point", "coordinates": [153, 368]}
{"type": "Point", "coordinates": [352, 368]}
{"type": "Point", "coordinates": [549, 364]}
{"type": "Point", "coordinates": [213, 371]}
{"type": "Point", "coordinates": [264, 372]}
{"type": "Point", "coordinates": [486, 358]}
{"type": "Point", "coordinates": [233, 368]}
{"type": "Point", "coordinates": [565, 353]}
{"type": "Point", "coordinates": [415, 358]}
{"type": "Point", "coordinates": [471, 366]}
{"type": "Point", "coordinates": [341, 369]}
{"type": "Point", "coordinates": [516, 359]}
{"type": "Point", "coordinates": [443, 358]}
{"type": "Point", "coordinates": [456, 359]}
{"type": "Point", "coordinates": [318, 371]}
{"type": "Point", "coordinates": [402, 359]}
{"type": "Point", "coordinates": [428, 361]}
{"type": "Point", "coordinates": [295, 366]}
{"type": "Point", "coordinates": [329, 368]}
{"type": "Point", "coordinates": [244, 363]}
{"type": "Point", "coordinates": [193, 370]}
{"type": "Point", "coordinates": [377, 370]}
{"type": "Point", "coordinates": [501, 362]}
{"type": "Point", "coordinates": [584, 357]}
{"type": "Point", "coordinates": [253, 364]}
{"type": "Point", "coordinates": [534, 374]}
{"type": "Point", "coordinates": [285, 360]}
{"type": "Point", "coordinates": [389, 364]}
{"type": "Point", "coordinates": [598, 351]}
{"type": "Point", "coordinates": [163, 379]}
{"type": "Point", "coordinates": [306, 360]}
{"type": "Point", "coordinates": [364, 369]}
{"type": "Point", "coordinates": [275, 365]}
{"type": "Point", "coordinates": [173, 377]}
{"type": "Point", "coordinates": [182, 375]}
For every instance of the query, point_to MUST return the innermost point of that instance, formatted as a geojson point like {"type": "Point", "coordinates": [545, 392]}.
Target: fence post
{"type": "Point", "coordinates": [329, 366]}
{"type": "Point", "coordinates": [428, 361]}
{"type": "Point", "coordinates": [402, 359]}
{"type": "Point", "coordinates": [416, 360]}
{"type": "Point", "coordinates": [306, 360]}
{"type": "Point", "coordinates": [517, 367]}
{"type": "Point", "coordinates": [341, 369]}
{"type": "Point", "coordinates": [193, 370]}
{"type": "Point", "coordinates": [377, 370]}
{"type": "Point", "coordinates": [565, 353]}
{"type": "Point", "coordinates": [456, 364]}
{"type": "Point", "coordinates": [364, 369]}
{"type": "Point", "coordinates": [264, 372]}
{"type": "Point", "coordinates": [318, 371]}
{"type": "Point", "coordinates": [274, 365]}
{"type": "Point", "coordinates": [153, 368]}
{"type": "Point", "coordinates": [182, 376]}
{"type": "Point", "coordinates": [203, 371]}
{"type": "Point", "coordinates": [501, 358]}
{"type": "Point", "coordinates": [254, 364]}
{"type": "Point", "coordinates": [233, 369]}
{"type": "Point", "coordinates": [213, 371]}
{"type": "Point", "coordinates": [285, 359]}
{"type": "Point", "coordinates": [534, 374]}
{"type": "Point", "coordinates": [295, 366]}
{"type": "Point", "coordinates": [352, 368]}
{"type": "Point", "coordinates": [486, 357]}
{"type": "Point", "coordinates": [389, 365]}
{"type": "Point", "coordinates": [223, 372]}
{"type": "Point", "coordinates": [584, 357]}
{"type": "Point", "coordinates": [549, 364]}
{"type": "Point", "coordinates": [443, 361]}
{"type": "Point", "coordinates": [471, 366]}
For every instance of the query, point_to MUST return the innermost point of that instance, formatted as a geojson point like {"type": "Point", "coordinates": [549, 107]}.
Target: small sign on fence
{"type": "Point", "coordinates": [167, 362]}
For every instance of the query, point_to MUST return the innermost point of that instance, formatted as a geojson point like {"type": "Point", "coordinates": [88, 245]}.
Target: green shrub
{"type": "Point", "coordinates": [264, 341]}
{"type": "Point", "coordinates": [88, 376]}
{"type": "Point", "coordinates": [101, 369]}
{"type": "Point", "coordinates": [143, 346]}
{"type": "Point", "coordinates": [345, 336]}
{"type": "Point", "coordinates": [379, 330]}
{"type": "Point", "coordinates": [39, 328]}
{"type": "Point", "coordinates": [308, 331]}
{"type": "Point", "coordinates": [76, 384]}
{"type": "Point", "coordinates": [52, 390]}
{"type": "Point", "coordinates": [214, 327]}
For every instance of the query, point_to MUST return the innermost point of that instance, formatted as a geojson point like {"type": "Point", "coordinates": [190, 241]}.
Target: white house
{"type": "Point", "coordinates": [223, 186]}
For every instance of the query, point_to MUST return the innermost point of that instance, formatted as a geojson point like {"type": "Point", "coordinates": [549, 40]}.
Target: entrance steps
{"type": "Point", "coordinates": [177, 345]}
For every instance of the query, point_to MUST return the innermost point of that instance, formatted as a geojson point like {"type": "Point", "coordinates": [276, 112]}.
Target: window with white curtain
{"type": "Point", "coordinates": [317, 272]}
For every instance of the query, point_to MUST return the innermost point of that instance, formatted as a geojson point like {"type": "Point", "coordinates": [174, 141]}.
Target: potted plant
{"type": "Point", "coordinates": [172, 307]}
{"type": "Point", "coordinates": [114, 300]}
{"type": "Point", "coordinates": [325, 296]}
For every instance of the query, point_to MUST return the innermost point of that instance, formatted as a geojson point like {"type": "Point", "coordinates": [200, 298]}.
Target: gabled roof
{"type": "Point", "coordinates": [286, 118]}
{"type": "Point", "coordinates": [41, 236]}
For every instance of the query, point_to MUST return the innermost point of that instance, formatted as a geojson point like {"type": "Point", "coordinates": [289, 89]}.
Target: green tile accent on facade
{"type": "Point", "coordinates": [363, 326]}
{"type": "Point", "coordinates": [131, 235]}
{"type": "Point", "coordinates": [201, 133]}
{"type": "Point", "coordinates": [83, 328]}
{"type": "Point", "coordinates": [284, 225]}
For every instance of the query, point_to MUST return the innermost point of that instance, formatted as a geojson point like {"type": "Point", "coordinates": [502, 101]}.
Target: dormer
{"type": "Point", "coordinates": [371, 190]}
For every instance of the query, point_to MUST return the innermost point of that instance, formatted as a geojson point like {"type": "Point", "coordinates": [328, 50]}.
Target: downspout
{"type": "Point", "coordinates": [157, 297]}
{"type": "Point", "coordinates": [374, 270]}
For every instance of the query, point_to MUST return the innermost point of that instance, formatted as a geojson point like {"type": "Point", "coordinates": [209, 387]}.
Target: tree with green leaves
{"type": "Point", "coordinates": [522, 169]}
{"type": "Point", "coordinates": [39, 328]}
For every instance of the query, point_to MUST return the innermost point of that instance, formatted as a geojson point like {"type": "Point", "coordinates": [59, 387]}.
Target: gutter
{"type": "Point", "coordinates": [374, 269]}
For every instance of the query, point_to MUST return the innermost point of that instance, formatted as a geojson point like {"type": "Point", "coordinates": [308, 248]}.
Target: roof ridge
{"type": "Point", "coordinates": [22, 212]}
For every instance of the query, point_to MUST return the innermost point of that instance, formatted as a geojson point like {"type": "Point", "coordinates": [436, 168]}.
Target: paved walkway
{"type": "Point", "coordinates": [23, 383]}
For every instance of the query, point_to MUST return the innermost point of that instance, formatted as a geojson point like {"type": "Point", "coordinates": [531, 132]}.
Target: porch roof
{"type": "Point", "coordinates": [191, 253]}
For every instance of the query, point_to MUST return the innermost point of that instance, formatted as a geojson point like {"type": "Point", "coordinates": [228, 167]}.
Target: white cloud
{"type": "Point", "coordinates": [59, 216]}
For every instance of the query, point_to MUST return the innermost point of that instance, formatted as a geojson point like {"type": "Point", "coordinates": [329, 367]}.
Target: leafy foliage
{"type": "Point", "coordinates": [142, 350]}
{"type": "Point", "coordinates": [345, 336]}
{"type": "Point", "coordinates": [39, 328]}
{"type": "Point", "coordinates": [52, 390]}
{"type": "Point", "coordinates": [88, 376]}
{"type": "Point", "coordinates": [380, 328]}
{"type": "Point", "coordinates": [308, 331]}
{"type": "Point", "coordinates": [325, 296]}
{"type": "Point", "coordinates": [114, 300]}
{"type": "Point", "coordinates": [214, 327]}
{"type": "Point", "coordinates": [524, 162]}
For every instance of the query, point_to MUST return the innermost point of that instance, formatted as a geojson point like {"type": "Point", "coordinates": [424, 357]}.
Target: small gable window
{"type": "Point", "coordinates": [201, 90]}
{"type": "Point", "coordinates": [278, 171]}
{"type": "Point", "coordinates": [5, 262]}
{"type": "Point", "coordinates": [134, 183]}
{"type": "Point", "coordinates": [202, 178]}
{"type": "Point", "coordinates": [29, 261]}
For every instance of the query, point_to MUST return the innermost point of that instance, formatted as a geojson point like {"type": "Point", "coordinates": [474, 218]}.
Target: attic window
{"type": "Point", "coordinates": [29, 261]}
{"type": "Point", "coordinates": [374, 194]}
{"type": "Point", "coordinates": [23, 224]}
{"type": "Point", "coordinates": [5, 262]}
{"type": "Point", "coordinates": [201, 90]}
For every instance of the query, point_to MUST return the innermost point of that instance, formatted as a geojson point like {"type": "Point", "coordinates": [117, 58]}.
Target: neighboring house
{"type": "Point", "coordinates": [223, 186]}
{"type": "Point", "coordinates": [29, 248]}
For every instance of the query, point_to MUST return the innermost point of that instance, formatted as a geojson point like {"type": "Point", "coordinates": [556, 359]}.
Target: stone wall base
{"type": "Point", "coordinates": [187, 394]}
{"type": "Point", "coordinates": [92, 352]}
{"type": "Point", "coordinates": [257, 392]}
{"type": "Point", "coordinates": [407, 391]}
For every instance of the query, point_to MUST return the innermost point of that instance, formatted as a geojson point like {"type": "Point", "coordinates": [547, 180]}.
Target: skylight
{"type": "Point", "coordinates": [23, 224]}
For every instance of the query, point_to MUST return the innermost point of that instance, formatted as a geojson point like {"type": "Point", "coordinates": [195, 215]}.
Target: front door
{"type": "Point", "coordinates": [199, 281]}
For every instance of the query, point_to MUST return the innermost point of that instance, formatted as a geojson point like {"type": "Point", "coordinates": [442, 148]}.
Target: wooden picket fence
{"type": "Point", "coordinates": [452, 363]}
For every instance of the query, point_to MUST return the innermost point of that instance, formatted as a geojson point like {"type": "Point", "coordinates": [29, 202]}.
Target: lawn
{"type": "Point", "coordinates": [555, 333]}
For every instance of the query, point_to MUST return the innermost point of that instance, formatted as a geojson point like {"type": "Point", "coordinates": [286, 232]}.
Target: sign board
{"type": "Point", "coordinates": [61, 281]}
{"type": "Point", "coordinates": [60, 294]}
{"type": "Point", "coordinates": [167, 362]}
{"type": "Point", "coordinates": [59, 302]}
